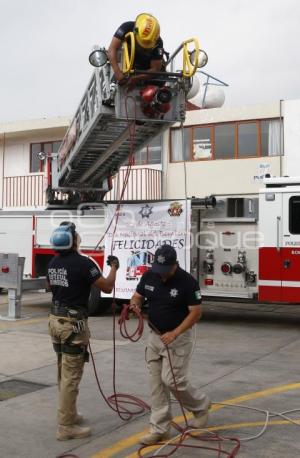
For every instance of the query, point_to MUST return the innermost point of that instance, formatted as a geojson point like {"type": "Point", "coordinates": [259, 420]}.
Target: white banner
{"type": "Point", "coordinates": [140, 230]}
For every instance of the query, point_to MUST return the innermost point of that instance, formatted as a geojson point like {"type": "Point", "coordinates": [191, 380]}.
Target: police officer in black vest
{"type": "Point", "coordinates": [70, 276]}
{"type": "Point", "coordinates": [174, 299]}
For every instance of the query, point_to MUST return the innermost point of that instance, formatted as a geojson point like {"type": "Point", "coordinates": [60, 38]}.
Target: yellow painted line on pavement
{"type": "Point", "coordinates": [133, 440]}
{"type": "Point", "coordinates": [261, 394]}
{"type": "Point", "coordinates": [221, 428]}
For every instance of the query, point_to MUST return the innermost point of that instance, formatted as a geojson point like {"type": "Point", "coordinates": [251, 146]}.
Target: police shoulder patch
{"type": "Point", "coordinates": [149, 287]}
{"type": "Point", "coordinates": [94, 271]}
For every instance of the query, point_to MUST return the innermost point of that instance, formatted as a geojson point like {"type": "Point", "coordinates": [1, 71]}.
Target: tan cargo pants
{"type": "Point", "coordinates": [70, 367]}
{"type": "Point", "coordinates": [162, 380]}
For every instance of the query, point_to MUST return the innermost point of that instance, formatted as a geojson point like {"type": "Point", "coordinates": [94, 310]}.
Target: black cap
{"type": "Point", "coordinates": [165, 258]}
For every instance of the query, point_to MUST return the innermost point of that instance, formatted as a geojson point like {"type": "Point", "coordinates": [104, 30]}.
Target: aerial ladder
{"type": "Point", "coordinates": [100, 140]}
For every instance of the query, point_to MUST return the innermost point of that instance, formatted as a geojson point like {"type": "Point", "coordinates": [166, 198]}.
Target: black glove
{"type": "Point", "coordinates": [113, 261]}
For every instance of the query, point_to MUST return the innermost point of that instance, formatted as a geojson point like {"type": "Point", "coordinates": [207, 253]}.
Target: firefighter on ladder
{"type": "Point", "coordinates": [174, 299]}
{"type": "Point", "coordinates": [149, 50]}
{"type": "Point", "coordinates": [70, 276]}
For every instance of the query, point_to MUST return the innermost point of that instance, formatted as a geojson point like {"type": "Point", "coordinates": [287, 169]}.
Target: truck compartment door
{"type": "Point", "coordinates": [290, 251]}
{"type": "Point", "coordinates": [270, 264]}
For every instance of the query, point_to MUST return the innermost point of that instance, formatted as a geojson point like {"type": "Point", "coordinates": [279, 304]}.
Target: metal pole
{"type": "Point", "coordinates": [14, 304]}
{"type": "Point", "coordinates": [171, 58]}
{"type": "Point", "coordinates": [15, 294]}
{"type": "Point", "coordinates": [163, 74]}
{"type": "Point", "coordinates": [281, 139]}
{"type": "Point", "coordinates": [3, 163]}
{"type": "Point", "coordinates": [212, 77]}
{"type": "Point", "coordinates": [205, 91]}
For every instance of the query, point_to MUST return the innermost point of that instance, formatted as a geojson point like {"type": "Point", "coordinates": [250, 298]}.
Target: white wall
{"type": "Point", "coordinates": [17, 151]}
{"type": "Point", "coordinates": [227, 114]}
{"type": "Point", "coordinates": [1, 168]}
{"type": "Point", "coordinates": [291, 111]}
{"type": "Point", "coordinates": [19, 135]}
{"type": "Point", "coordinates": [16, 161]}
{"type": "Point", "coordinates": [20, 240]}
{"type": "Point", "coordinates": [232, 176]}
{"type": "Point", "coordinates": [15, 155]}
{"type": "Point", "coordinates": [34, 125]}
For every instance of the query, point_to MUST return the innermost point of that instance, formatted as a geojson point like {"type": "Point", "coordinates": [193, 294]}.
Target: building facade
{"type": "Point", "coordinates": [218, 151]}
{"type": "Point", "coordinates": [23, 175]}
{"type": "Point", "coordinates": [224, 151]}
{"type": "Point", "coordinates": [25, 149]}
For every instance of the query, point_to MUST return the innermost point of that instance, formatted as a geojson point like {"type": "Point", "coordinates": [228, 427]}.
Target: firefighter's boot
{"type": "Point", "coordinates": [65, 433]}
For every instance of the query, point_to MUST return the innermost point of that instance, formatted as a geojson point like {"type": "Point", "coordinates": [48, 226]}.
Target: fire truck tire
{"type": "Point", "coordinates": [97, 304]}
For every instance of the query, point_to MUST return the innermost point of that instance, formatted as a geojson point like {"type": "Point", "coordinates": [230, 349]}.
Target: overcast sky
{"type": "Point", "coordinates": [253, 45]}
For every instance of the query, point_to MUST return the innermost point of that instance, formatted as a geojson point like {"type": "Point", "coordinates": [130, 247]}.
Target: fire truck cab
{"type": "Point", "coordinates": [279, 251]}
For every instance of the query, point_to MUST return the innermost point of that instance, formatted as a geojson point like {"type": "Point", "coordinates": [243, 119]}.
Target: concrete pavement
{"type": "Point", "coordinates": [245, 353]}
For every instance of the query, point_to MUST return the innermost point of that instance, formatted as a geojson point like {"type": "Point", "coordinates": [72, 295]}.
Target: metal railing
{"type": "Point", "coordinates": [143, 184]}
{"type": "Point", "coordinates": [24, 191]}
{"type": "Point", "coordinates": [29, 190]}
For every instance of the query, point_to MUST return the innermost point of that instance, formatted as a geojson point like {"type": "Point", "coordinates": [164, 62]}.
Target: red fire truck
{"type": "Point", "coordinates": [242, 246]}
{"type": "Point", "coordinates": [28, 234]}
{"type": "Point", "coordinates": [250, 245]}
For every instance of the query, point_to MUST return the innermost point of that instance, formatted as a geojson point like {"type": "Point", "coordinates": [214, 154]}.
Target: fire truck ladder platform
{"type": "Point", "coordinates": [103, 148]}
{"type": "Point", "coordinates": [105, 130]}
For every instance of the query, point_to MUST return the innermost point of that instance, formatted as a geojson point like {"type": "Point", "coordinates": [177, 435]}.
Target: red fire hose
{"type": "Point", "coordinates": [184, 432]}
{"type": "Point", "coordinates": [126, 405]}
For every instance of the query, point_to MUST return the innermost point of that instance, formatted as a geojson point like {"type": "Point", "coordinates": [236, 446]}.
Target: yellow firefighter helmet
{"type": "Point", "coordinates": [146, 30]}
